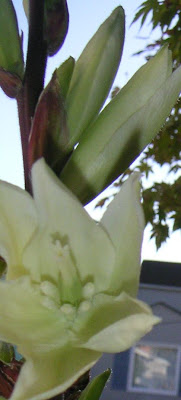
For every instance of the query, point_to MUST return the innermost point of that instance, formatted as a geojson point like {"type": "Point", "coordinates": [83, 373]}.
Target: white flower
{"type": "Point", "coordinates": [71, 283]}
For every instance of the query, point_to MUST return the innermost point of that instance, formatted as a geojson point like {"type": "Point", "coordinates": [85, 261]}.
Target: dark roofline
{"type": "Point", "coordinates": [166, 305]}
{"type": "Point", "coordinates": [161, 273]}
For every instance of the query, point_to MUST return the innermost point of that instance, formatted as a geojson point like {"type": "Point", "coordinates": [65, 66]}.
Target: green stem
{"type": "Point", "coordinates": [33, 79]}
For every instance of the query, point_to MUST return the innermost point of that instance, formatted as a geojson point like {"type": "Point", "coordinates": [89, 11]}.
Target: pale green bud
{"type": "Point", "coordinates": [123, 129]}
{"type": "Point", "coordinates": [94, 74]}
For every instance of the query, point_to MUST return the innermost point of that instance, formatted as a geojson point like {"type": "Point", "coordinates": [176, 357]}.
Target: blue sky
{"type": "Point", "coordinates": [85, 18]}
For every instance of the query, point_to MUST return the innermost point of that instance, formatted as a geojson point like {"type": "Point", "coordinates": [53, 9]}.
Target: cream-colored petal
{"type": "Point", "coordinates": [115, 324]}
{"type": "Point", "coordinates": [29, 319]}
{"type": "Point", "coordinates": [61, 215]}
{"type": "Point", "coordinates": [17, 224]}
{"type": "Point", "coordinates": [44, 378]}
{"type": "Point", "coordinates": [124, 222]}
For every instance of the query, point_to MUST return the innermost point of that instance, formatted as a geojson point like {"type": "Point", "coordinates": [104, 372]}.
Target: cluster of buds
{"type": "Point", "coordinates": [88, 149]}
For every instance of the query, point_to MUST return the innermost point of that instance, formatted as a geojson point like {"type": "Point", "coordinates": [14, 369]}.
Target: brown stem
{"type": "Point", "coordinates": [33, 79]}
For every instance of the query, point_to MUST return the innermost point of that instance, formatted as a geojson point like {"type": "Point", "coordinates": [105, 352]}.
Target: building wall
{"type": "Point", "coordinates": [166, 303]}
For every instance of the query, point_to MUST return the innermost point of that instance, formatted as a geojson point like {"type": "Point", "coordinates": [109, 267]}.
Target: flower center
{"type": "Point", "coordinates": [69, 284]}
{"type": "Point", "coordinates": [68, 294]}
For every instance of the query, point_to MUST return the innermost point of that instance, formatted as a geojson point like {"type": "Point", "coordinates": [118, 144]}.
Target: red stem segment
{"type": "Point", "coordinates": [33, 79]}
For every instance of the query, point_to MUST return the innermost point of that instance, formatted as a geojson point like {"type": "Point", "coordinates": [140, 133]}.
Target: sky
{"type": "Point", "coordinates": [85, 18]}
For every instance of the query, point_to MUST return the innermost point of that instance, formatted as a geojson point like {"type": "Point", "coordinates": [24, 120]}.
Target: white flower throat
{"type": "Point", "coordinates": [68, 295]}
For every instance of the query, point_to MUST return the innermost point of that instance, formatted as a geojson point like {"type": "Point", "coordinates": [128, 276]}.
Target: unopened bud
{"type": "Point", "coordinates": [49, 136]}
{"type": "Point", "coordinates": [64, 75]}
{"type": "Point", "coordinates": [10, 83]}
{"type": "Point", "coordinates": [56, 24]}
{"type": "Point", "coordinates": [11, 58]}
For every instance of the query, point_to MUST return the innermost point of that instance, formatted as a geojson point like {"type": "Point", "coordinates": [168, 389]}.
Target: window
{"type": "Point", "coordinates": [154, 368]}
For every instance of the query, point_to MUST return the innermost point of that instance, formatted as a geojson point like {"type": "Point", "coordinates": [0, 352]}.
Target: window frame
{"type": "Point", "coordinates": [131, 388]}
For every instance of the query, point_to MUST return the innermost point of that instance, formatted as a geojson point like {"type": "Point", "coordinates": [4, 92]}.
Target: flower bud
{"type": "Point", "coordinates": [11, 58]}
{"type": "Point", "coordinates": [56, 24]}
{"type": "Point", "coordinates": [64, 75]}
{"type": "Point", "coordinates": [49, 136]}
{"type": "Point", "coordinates": [56, 21]}
{"type": "Point", "coordinates": [124, 128]}
{"type": "Point", "coordinates": [94, 74]}
{"type": "Point", "coordinates": [10, 83]}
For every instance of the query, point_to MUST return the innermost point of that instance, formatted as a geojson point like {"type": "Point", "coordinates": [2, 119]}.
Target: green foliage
{"type": "Point", "coordinates": [95, 387]}
{"type": "Point", "coordinates": [162, 200]}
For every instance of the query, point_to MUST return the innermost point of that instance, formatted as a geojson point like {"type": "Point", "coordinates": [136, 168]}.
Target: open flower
{"type": "Point", "coordinates": [71, 283]}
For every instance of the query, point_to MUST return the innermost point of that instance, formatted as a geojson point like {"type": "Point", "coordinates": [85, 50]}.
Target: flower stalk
{"type": "Point", "coordinates": [33, 79]}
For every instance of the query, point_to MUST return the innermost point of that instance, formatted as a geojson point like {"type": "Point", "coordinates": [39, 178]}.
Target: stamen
{"type": "Point", "coordinates": [50, 290]}
{"type": "Point", "coordinates": [70, 287]}
{"type": "Point", "coordinates": [67, 308]}
{"type": "Point", "coordinates": [49, 303]}
{"type": "Point", "coordinates": [84, 306]}
{"type": "Point", "coordinates": [88, 290]}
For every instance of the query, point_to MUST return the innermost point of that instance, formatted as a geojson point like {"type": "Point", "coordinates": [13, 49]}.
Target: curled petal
{"type": "Point", "coordinates": [124, 222]}
{"type": "Point", "coordinates": [26, 322]}
{"type": "Point", "coordinates": [53, 374]}
{"type": "Point", "coordinates": [117, 325]}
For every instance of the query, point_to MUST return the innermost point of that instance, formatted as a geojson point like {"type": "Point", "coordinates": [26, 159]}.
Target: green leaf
{"type": "Point", "coordinates": [94, 74]}
{"type": "Point", "coordinates": [94, 390]}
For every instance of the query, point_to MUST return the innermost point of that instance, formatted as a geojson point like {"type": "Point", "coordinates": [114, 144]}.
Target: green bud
{"type": "Point", "coordinates": [11, 58]}
{"type": "Point", "coordinates": [124, 128]}
{"type": "Point", "coordinates": [94, 74]}
{"type": "Point", "coordinates": [64, 75]}
{"type": "Point", "coordinates": [49, 136]}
